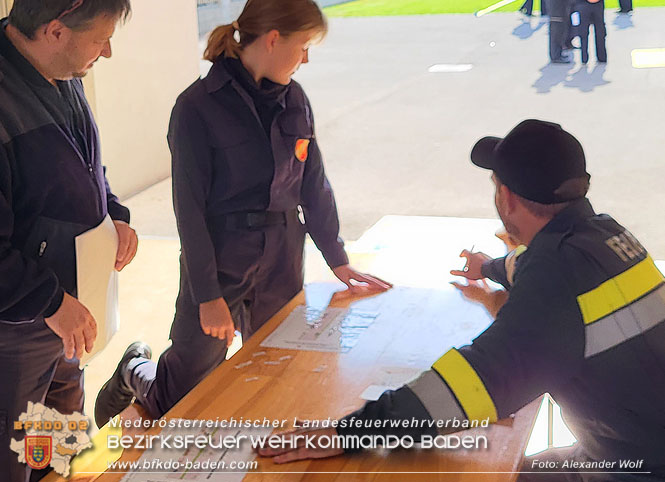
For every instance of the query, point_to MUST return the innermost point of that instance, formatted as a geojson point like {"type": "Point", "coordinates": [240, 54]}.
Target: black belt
{"type": "Point", "coordinates": [252, 220]}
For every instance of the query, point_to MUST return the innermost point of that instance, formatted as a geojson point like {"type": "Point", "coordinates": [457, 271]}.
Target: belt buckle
{"type": "Point", "coordinates": [255, 220]}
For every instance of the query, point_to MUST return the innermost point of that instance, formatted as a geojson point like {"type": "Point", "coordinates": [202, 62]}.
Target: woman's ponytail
{"type": "Point", "coordinates": [261, 16]}
{"type": "Point", "coordinates": [222, 42]}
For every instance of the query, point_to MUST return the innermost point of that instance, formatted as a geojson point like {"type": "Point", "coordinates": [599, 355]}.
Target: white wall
{"type": "Point", "coordinates": [155, 57]}
{"type": "Point", "coordinates": [5, 6]}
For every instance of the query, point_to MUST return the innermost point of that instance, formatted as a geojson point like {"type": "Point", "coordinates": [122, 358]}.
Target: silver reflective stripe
{"type": "Point", "coordinates": [435, 395]}
{"type": "Point", "coordinates": [511, 261]}
{"type": "Point", "coordinates": [627, 323]}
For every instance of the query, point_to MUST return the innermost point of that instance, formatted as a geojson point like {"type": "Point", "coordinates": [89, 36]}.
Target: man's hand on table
{"type": "Point", "coordinates": [472, 267]}
{"type": "Point", "coordinates": [480, 292]}
{"type": "Point", "coordinates": [359, 282]}
{"type": "Point", "coordinates": [290, 451]}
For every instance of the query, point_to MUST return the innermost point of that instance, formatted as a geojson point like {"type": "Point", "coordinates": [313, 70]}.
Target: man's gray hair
{"type": "Point", "coordinates": [28, 15]}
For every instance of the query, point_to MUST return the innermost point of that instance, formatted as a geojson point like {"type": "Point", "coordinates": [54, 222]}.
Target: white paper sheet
{"type": "Point", "coordinates": [328, 330]}
{"type": "Point", "coordinates": [97, 281]}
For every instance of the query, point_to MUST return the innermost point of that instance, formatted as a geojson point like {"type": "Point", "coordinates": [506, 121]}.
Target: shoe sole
{"type": "Point", "coordinates": [146, 352]}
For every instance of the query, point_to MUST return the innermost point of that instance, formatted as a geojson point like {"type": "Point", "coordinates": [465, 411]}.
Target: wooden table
{"type": "Point", "coordinates": [293, 389]}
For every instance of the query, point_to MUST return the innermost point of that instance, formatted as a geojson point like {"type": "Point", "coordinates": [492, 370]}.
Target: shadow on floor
{"type": "Point", "coordinates": [586, 79]}
{"type": "Point", "coordinates": [552, 75]}
{"type": "Point", "coordinates": [526, 30]}
{"type": "Point", "coordinates": [622, 21]}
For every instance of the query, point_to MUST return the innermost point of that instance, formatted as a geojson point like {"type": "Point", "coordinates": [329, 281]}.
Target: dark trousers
{"type": "Point", "coordinates": [560, 11]}
{"type": "Point", "coordinates": [32, 369]}
{"type": "Point", "coordinates": [259, 274]}
{"type": "Point", "coordinates": [593, 14]}
{"type": "Point", "coordinates": [527, 7]}
{"type": "Point", "coordinates": [625, 6]}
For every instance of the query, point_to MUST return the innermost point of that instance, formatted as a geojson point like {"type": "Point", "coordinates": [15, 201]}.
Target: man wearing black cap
{"type": "Point", "coordinates": [584, 321]}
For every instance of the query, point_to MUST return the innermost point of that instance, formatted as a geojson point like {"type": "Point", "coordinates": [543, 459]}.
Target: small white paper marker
{"type": "Point", "coordinates": [373, 392]}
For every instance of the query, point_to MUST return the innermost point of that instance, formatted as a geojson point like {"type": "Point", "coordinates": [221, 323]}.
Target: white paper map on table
{"type": "Point", "coordinates": [442, 314]}
{"type": "Point", "coordinates": [328, 330]}
{"type": "Point", "coordinates": [232, 458]}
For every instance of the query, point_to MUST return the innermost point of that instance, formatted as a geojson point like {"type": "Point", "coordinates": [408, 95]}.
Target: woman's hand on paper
{"type": "Point", "coordinates": [359, 282]}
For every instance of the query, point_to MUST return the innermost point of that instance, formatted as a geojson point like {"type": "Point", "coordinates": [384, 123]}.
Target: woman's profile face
{"type": "Point", "coordinates": [287, 55]}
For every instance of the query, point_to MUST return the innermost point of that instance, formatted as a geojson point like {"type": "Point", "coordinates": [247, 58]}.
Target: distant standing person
{"type": "Point", "coordinates": [527, 8]}
{"type": "Point", "coordinates": [559, 26]}
{"type": "Point", "coordinates": [625, 6]}
{"type": "Point", "coordinates": [592, 12]}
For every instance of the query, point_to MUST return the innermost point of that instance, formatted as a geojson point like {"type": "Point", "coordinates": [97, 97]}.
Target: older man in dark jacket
{"type": "Point", "coordinates": [52, 188]}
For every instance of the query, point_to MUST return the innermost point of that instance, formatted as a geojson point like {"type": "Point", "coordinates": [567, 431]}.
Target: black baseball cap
{"type": "Point", "coordinates": [537, 160]}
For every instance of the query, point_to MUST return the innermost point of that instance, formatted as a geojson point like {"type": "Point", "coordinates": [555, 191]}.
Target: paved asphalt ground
{"type": "Point", "coordinates": [396, 138]}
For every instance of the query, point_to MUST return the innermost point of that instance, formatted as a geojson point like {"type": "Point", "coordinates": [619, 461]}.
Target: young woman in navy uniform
{"type": "Point", "coordinates": [245, 160]}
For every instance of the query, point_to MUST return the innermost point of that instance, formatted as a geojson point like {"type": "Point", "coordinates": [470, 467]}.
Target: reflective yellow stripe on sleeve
{"type": "Point", "coordinates": [619, 291]}
{"type": "Point", "coordinates": [466, 385]}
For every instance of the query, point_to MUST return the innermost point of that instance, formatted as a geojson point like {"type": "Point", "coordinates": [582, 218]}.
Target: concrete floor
{"type": "Point", "coordinates": [396, 138]}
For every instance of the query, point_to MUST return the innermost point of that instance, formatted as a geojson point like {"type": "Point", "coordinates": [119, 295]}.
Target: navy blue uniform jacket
{"type": "Point", "coordinates": [585, 321]}
{"type": "Point", "coordinates": [224, 162]}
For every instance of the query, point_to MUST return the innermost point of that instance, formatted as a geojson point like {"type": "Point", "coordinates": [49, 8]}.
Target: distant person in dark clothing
{"type": "Point", "coordinates": [592, 12]}
{"type": "Point", "coordinates": [560, 11]}
{"type": "Point", "coordinates": [527, 8]}
{"type": "Point", "coordinates": [625, 6]}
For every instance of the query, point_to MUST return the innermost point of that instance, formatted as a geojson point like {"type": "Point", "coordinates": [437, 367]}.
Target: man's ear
{"type": "Point", "coordinates": [54, 31]}
{"type": "Point", "coordinates": [509, 198]}
{"type": "Point", "coordinates": [271, 40]}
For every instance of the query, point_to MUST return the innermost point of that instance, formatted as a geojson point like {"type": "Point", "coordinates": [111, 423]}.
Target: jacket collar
{"type": "Point", "coordinates": [10, 55]}
{"type": "Point", "coordinates": [219, 75]}
{"type": "Point", "coordinates": [563, 222]}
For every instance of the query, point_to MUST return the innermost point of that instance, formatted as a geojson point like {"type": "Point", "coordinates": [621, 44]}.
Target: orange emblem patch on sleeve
{"type": "Point", "coordinates": [302, 147]}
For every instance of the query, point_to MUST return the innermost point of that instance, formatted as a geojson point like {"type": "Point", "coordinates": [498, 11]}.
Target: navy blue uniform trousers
{"type": "Point", "coordinates": [267, 275]}
{"type": "Point", "coordinates": [593, 14]}
{"type": "Point", "coordinates": [226, 165]}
